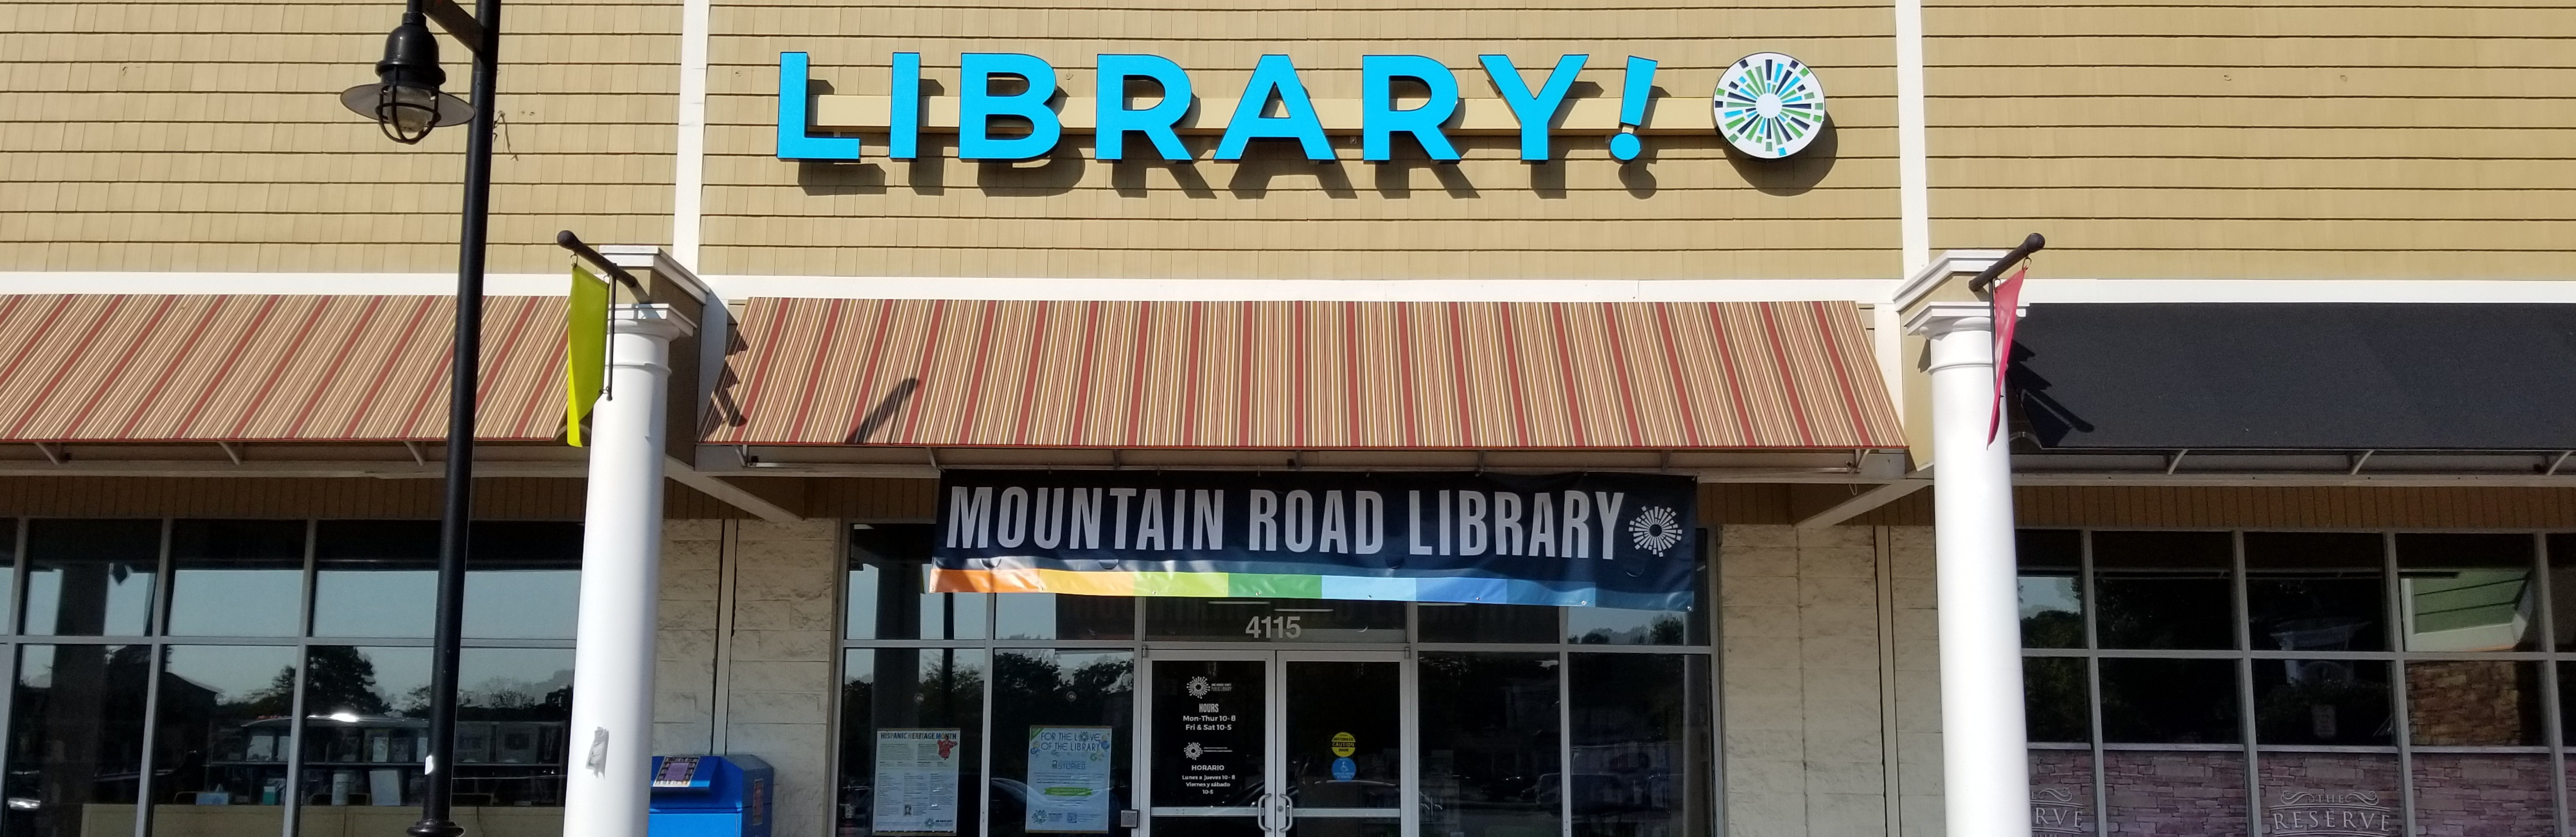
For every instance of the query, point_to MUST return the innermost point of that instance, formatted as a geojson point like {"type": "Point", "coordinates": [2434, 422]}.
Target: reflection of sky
{"type": "Point", "coordinates": [128, 600]}
{"type": "Point", "coordinates": [2043, 594]}
{"type": "Point", "coordinates": [235, 602]}
{"type": "Point", "coordinates": [235, 672]}
{"type": "Point", "coordinates": [528, 604]}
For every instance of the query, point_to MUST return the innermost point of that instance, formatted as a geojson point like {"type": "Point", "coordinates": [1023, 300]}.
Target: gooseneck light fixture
{"type": "Point", "coordinates": [405, 100]}
{"type": "Point", "coordinates": [406, 104]}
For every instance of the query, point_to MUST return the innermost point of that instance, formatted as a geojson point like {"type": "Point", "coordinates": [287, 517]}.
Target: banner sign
{"type": "Point", "coordinates": [1585, 540]}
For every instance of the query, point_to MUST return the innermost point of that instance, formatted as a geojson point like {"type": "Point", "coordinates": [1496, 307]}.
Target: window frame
{"type": "Point", "coordinates": [2547, 657]}
{"type": "Point", "coordinates": [14, 639]}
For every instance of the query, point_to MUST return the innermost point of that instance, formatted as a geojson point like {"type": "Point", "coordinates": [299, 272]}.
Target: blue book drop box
{"type": "Point", "coordinates": [711, 796]}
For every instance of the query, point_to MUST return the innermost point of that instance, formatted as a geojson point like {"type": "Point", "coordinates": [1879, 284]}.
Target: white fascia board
{"type": "Point", "coordinates": [1324, 290]}
{"type": "Point", "coordinates": [297, 284]}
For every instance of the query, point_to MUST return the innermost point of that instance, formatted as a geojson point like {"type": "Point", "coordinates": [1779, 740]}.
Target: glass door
{"type": "Point", "coordinates": [1277, 743]}
{"type": "Point", "coordinates": [1341, 744]}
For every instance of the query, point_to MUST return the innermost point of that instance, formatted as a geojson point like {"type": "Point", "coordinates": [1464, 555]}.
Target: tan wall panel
{"type": "Point", "coordinates": [2217, 140]}
{"type": "Point", "coordinates": [175, 136]}
{"type": "Point", "coordinates": [1689, 211]}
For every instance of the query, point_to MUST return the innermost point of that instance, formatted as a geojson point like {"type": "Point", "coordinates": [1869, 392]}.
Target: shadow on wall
{"type": "Point", "coordinates": [1270, 165]}
{"type": "Point", "coordinates": [1793, 176]}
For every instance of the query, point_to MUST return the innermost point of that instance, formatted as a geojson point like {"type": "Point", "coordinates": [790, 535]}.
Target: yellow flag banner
{"type": "Point", "coordinates": [585, 349]}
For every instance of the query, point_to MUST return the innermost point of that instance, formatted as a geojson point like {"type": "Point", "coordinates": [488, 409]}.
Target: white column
{"type": "Point", "coordinates": [1985, 770]}
{"type": "Point", "coordinates": [621, 555]}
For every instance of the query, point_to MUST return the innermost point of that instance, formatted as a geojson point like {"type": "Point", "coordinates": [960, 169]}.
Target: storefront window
{"type": "Point", "coordinates": [380, 579]}
{"type": "Point", "coordinates": [1490, 763]}
{"type": "Point", "coordinates": [92, 577]}
{"type": "Point", "coordinates": [2052, 592]}
{"type": "Point", "coordinates": [2347, 735]}
{"type": "Point", "coordinates": [2467, 593]}
{"type": "Point", "coordinates": [220, 737]}
{"type": "Point", "coordinates": [256, 719]}
{"type": "Point", "coordinates": [76, 740]}
{"type": "Point", "coordinates": [887, 584]}
{"type": "Point", "coordinates": [2308, 591]}
{"type": "Point", "coordinates": [1640, 740]}
{"type": "Point", "coordinates": [930, 703]}
{"type": "Point", "coordinates": [1046, 702]}
{"type": "Point", "coordinates": [1590, 721]}
{"type": "Point", "coordinates": [1446, 622]}
{"type": "Point", "coordinates": [2163, 589]}
{"type": "Point", "coordinates": [236, 577]}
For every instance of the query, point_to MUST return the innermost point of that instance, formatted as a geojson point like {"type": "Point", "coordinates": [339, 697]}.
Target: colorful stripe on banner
{"type": "Point", "coordinates": [1222, 585]}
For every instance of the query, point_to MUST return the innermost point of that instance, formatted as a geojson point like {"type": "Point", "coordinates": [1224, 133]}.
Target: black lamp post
{"type": "Point", "coordinates": [407, 104]}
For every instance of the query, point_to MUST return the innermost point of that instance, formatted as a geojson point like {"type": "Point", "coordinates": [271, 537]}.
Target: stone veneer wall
{"type": "Point", "coordinates": [1805, 728]}
{"type": "Point", "coordinates": [777, 663]}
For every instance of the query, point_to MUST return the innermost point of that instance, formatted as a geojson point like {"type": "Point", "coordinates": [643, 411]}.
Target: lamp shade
{"type": "Point", "coordinates": [405, 100]}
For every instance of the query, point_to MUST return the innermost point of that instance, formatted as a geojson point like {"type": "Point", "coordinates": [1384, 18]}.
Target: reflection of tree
{"type": "Point", "coordinates": [2053, 629]}
{"type": "Point", "coordinates": [338, 678]}
{"type": "Point", "coordinates": [2055, 698]}
{"type": "Point", "coordinates": [2325, 704]}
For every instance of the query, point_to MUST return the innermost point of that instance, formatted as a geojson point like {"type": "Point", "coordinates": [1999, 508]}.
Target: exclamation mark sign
{"type": "Point", "coordinates": [1639, 84]}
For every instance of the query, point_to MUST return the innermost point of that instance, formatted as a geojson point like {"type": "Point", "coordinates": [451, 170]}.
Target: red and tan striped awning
{"type": "Point", "coordinates": [143, 368]}
{"type": "Point", "coordinates": [1305, 375]}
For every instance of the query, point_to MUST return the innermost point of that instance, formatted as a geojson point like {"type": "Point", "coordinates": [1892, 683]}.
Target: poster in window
{"type": "Point", "coordinates": [916, 785]}
{"type": "Point", "coordinates": [1068, 781]}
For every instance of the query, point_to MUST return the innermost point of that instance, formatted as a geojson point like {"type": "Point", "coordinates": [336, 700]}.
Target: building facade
{"type": "Point", "coordinates": [2288, 532]}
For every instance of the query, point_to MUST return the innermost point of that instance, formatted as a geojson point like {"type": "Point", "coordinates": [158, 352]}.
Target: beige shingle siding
{"type": "Point", "coordinates": [198, 136]}
{"type": "Point", "coordinates": [2194, 139]}
{"type": "Point", "coordinates": [1687, 214]}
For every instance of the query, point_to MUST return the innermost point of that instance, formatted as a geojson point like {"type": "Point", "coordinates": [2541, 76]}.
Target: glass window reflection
{"type": "Point", "coordinates": [1036, 688]}
{"type": "Point", "coordinates": [888, 575]}
{"type": "Point", "coordinates": [2473, 703]}
{"type": "Point", "coordinates": [76, 740]}
{"type": "Point", "coordinates": [365, 721]}
{"type": "Point", "coordinates": [2323, 702]}
{"type": "Point", "coordinates": [91, 577]}
{"type": "Point", "coordinates": [379, 578]}
{"type": "Point", "coordinates": [513, 708]}
{"type": "Point", "coordinates": [236, 577]}
{"type": "Point", "coordinates": [1444, 622]}
{"type": "Point", "coordinates": [1640, 741]}
{"type": "Point", "coordinates": [2165, 701]}
{"type": "Point", "coordinates": [2467, 593]}
{"type": "Point", "coordinates": [885, 689]}
{"type": "Point", "coordinates": [2056, 700]}
{"type": "Point", "coordinates": [375, 578]}
{"type": "Point", "coordinates": [2052, 594]}
{"type": "Point", "coordinates": [523, 581]}
{"type": "Point", "coordinates": [2164, 589]}
{"type": "Point", "coordinates": [2316, 591]}
{"type": "Point", "coordinates": [1055, 616]}
{"type": "Point", "coordinates": [1485, 753]}
{"type": "Point", "coordinates": [221, 739]}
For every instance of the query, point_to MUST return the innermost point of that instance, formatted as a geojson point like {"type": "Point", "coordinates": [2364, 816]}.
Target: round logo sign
{"type": "Point", "coordinates": [1344, 769]}
{"type": "Point", "coordinates": [1344, 744]}
{"type": "Point", "coordinates": [1769, 105]}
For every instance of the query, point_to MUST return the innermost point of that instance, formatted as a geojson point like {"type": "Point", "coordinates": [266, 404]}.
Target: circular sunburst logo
{"type": "Point", "coordinates": [1655, 530]}
{"type": "Point", "coordinates": [1769, 105]}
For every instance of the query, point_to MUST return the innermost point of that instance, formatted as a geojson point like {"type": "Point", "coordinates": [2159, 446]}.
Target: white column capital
{"type": "Point", "coordinates": [1938, 318]}
{"type": "Point", "coordinates": [650, 320]}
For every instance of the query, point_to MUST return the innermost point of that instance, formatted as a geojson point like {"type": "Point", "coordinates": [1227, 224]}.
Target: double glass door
{"type": "Point", "coordinates": [1278, 743]}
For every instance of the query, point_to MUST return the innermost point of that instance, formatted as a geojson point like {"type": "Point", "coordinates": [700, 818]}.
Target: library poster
{"type": "Point", "coordinates": [1068, 780]}
{"type": "Point", "coordinates": [916, 789]}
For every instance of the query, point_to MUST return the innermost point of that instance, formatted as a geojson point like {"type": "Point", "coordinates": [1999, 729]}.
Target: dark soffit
{"type": "Point", "coordinates": [2298, 376]}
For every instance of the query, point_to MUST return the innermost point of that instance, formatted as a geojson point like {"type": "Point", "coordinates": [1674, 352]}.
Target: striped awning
{"type": "Point", "coordinates": [145, 368]}
{"type": "Point", "coordinates": [1304, 375]}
